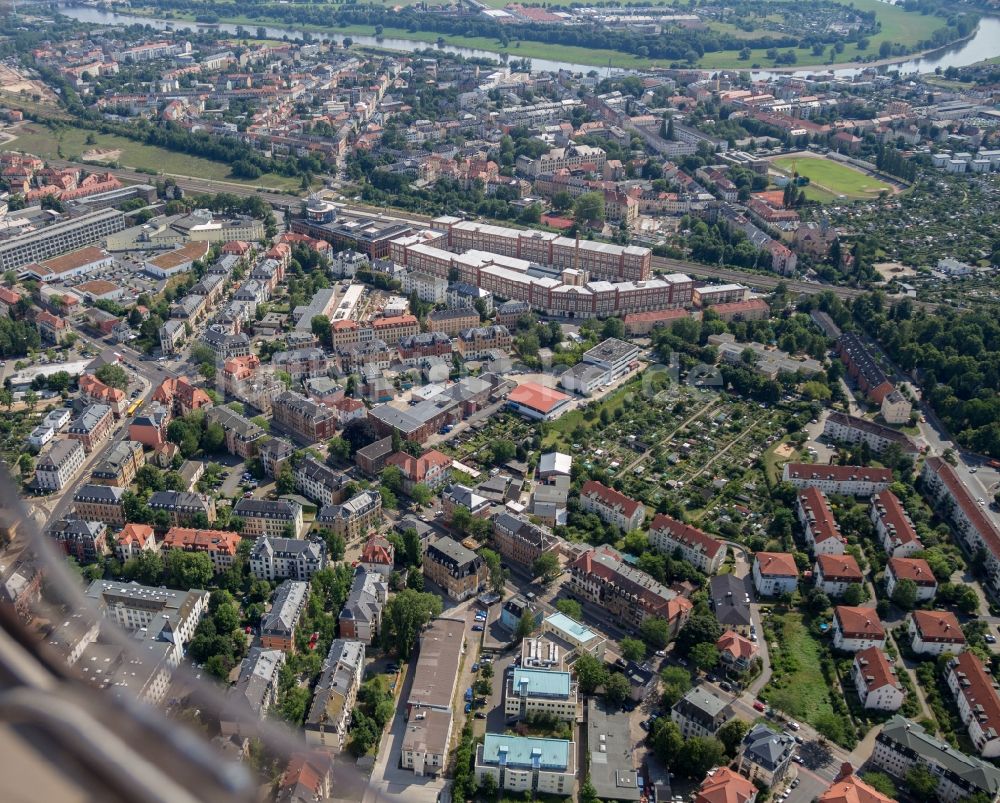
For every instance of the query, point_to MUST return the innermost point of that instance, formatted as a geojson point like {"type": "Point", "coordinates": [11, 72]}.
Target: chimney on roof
{"type": "Point", "coordinates": [845, 770]}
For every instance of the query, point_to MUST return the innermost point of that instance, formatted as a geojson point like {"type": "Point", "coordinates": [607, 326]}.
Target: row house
{"type": "Point", "coordinates": [273, 518]}
{"type": "Point", "coordinates": [843, 480]}
{"type": "Point", "coordinates": [612, 506]}
{"type": "Point", "coordinates": [819, 526]}
{"type": "Point", "coordinates": [92, 427]}
{"type": "Point", "coordinates": [100, 503]}
{"type": "Point", "coordinates": [602, 577]}
{"type": "Point", "coordinates": [243, 436]}
{"type": "Point", "coordinates": [893, 526]}
{"type": "Point", "coordinates": [182, 507]}
{"type": "Point", "coordinates": [303, 418]}
{"type": "Point", "coordinates": [96, 391]}
{"type": "Point", "coordinates": [698, 548]}
{"type": "Point", "coordinates": [220, 545]}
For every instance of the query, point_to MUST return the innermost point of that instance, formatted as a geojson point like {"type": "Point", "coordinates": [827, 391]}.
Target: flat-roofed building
{"type": "Point", "coordinates": [426, 741]}
{"type": "Point", "coordinates": [612, 763]}
{"type": "Point", "coordinates": [527, 763]}
{"type": "Point", "coordinates": [574, 638]}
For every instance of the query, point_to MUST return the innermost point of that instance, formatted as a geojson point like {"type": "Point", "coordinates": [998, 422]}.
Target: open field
{"type": "Point", "coordinates": [832, 178]}
{"type": "Point", "coordinates": [71, 143]}
{"type": "Point", "coordinates": [798, 687]}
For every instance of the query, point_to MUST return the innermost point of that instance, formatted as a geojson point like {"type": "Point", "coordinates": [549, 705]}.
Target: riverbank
{"type": "Point", "coordinates": [901, 27]}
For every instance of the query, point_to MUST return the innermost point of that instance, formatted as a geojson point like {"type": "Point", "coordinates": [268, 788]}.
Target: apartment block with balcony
{"type": "Point", "coordinates": [460, 572]}
{"type": "Point", "coordinates": [274, 558]}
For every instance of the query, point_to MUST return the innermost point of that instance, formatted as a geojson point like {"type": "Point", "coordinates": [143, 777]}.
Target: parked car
{"type": "Point", "coordinates": [758, 705]}
{"type": "Point", "coordinates": [477, 628]}
{"type": "Point", "coordinates": [480, 715]}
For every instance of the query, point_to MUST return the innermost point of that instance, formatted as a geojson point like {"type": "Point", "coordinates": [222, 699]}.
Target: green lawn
{"type": "Point", "coordinates": [559, 431]}
{"type": "Point", "coordinates": [797, 686]}
{"type": "Point", "coordinates": [832, 177]}
{"type": "Point", "coordinates": [71, 143]}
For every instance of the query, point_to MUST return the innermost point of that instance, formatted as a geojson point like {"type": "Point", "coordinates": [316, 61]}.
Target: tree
{"type": "Point", "coordinates": [214, 438]}
{"type": "Point", "coordinates": [503, 450]}
{"type": "Point", "coordinates": [571, 608]}
{"type": "Point", "coordinates": [145, 568]}
{"type": "Point", "coordinates": [186, 570]}
{"type": "Point", "coordinates": [698, 755]}
{"type": "Point", "coordinates": [676, 683]}
{"type": "Point", "coordinates": [904, 595]}
{"type": "Point", "coordinates": [666, 740]}
{"type": "Point", "coordinates": [880, 782]}
{"type": "Point", "coordinates": [338, 448]}
{"type": "Point", "coordinates": [589, 208]}
{"type": "Point", "coordinates": [616, 690]}
{"type": "Point", "coordinates": [699, 628]}
{"type": "Point", "coordinates": [113, 375]}
{"type": "Point", "coordinates": [590, 673]}
{"type": "Point", "coordinates": [655, 631]}
{"type": "Point", "coordinates": [498, 575]}
{"type": "Point", "coordinates": [525, 626]}
{"type": "Point", "coordinates": [921, 783]}
{"type": "Point", "coordinates": [405, 616]}
{"type": "Point", "coordinates": [546, 566]}
{"type": "Point", "coordinates": [488, 786]}
{"type": "Point", "coordinates": [633, 649]}
{"type": "Point", "coordinates": [421, 495]}
{"type": "Point", "coordinates": [284, 483]}
{"type": "Point", "coordinates": [854, 594]}
{"type": "Point", "coordinates": [731, 735]}
{"type": "Point", "coordinates": [705, 656]}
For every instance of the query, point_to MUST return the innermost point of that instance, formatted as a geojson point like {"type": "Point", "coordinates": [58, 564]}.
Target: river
{"type": "Point", "coordinates": [983, 44]}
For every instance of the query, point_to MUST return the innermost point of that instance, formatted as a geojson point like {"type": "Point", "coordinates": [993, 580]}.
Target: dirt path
{"type": "Point", "coordinates": [642, 458]}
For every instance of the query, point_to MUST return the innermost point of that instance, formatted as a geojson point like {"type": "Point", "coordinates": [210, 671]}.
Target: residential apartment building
{"type": "Point", "coordinates": [775, 573]}
{"type": "Point", "coordinates": [393, 329]}
{"type": "Point", "coordinates": [521, 541]}
{"type": "Point", "coordinates": [844, 428]}
{"type": "Point", "coordinates": [819, 526]}
{"type": "Point", "coordinates": [100, 503]}
{"type": "Point", "coordinates": [935, 633]}
{"type": "Point", "coordinates": [857, 628]}
{"type": "Point", "coordinates": [219, 545]}
{"type": "Point", "coordinates": [541, 691]}
{"type": "Point", "coordinates": [700, 713]}
{"type": "Point", "coordinates": [916, 570]}
{"type": "Point", "coordinates": [275, 518]}
{"type": "Point", "coordinates": [243, 436]}
{"type": "Point", "coordinates": [120, 465]}
{"type": "Point", "coordinates": [60, 465]}
{"type": "Point", "coordinates": [460, 572]}
{"type": "Point", "coordinates": [843, 480]}
{"type": "Point", "coordinates": [92, 427]}
{"type": "Point", "coordinates": [336, 692]}
{"type": "Point", "coordinates": [415, 349]}
{"type": "Point", "coordinates": [849, 788]}
{"type": "Point", "coordinates": [256, 689]}
{"type": "Point", "coordinates": [378, 555]}
{"type": "Point", "coordinates": [275, 558]}
{"type": "Point", "coordinates": [361, 616]}
{"type": "Point", "coordinates": [602, 577]}
{"type": "Point", "coordinates": [723, 785]}
{"type": "Point", "coordinates": [978, 703]}
{"type": "Point", "coordinates": [478, 342]}
{"type": "Point", "coordinates": [86, 541]}
{"type": "Point", "coordinates": [903, 744]}
{"type": "Point", "coordinates": [183, 508]}
{"type": "Point", "coordinates": [57, 238]}
{"type": "Point", "coordinates": [429, 288]}
{"type": "Point", "coordinates": [452, 321]}
{"type": "Point", "coordinates": [279, 625]}
{"type": "Point", "coordinates": [972, 524]}
{"type": "Point", "coordinates": [892, 524]}
{"type": "Point", "coordinates": [432, 469]}
{"type": "Point", "coordinates": [354, 518]}
{"type": "Point", "coordinates": [527, 764]}
{"type": "Point", "coordinates": [304, 419]}
{"type": "Point", "coordinates": [133, 540]}
{"type": "Point", "coordinates": [765, 756]}
{"type": "Point", "coordinates": [834, 574]}
{"type": "Point", "coordinates": [319, 482]}
{"type": "Point", "coordinates": [698, 548]}
{"type": "Point", "coordinates": [876, 681]}
{"type": "Point", "coordinates": [612, 506]}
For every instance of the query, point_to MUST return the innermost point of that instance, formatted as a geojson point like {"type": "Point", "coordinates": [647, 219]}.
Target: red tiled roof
{"type": "Point", "coordinates": [656, 315]}
{"type": "Point", "coordinates": [851, 789]}
{"type": "Point", "coordinates": [736, 645]}
{"type": "Point", "coordinates": [398, 320]}
{"type": "Point", "coordinates": [893, 516]}
{"type": "Point", "coordinates": [736, 307]}
{"type": "Point", "coordinates": [976, 685]}
{"type": "Point", "coordinates": [963, 498]}
{"type": "Point", "coordinates": [416, 468]}
{"type": "Point", "coordinates": [915, 569]}
{"type": "Point", "coordinates": [838, 473]}
{"type": "Point", "coordinates": [135, 533]}
{"type": "Point", "coordinates": [859, 622]}
{"type": "Point", "coordinates": [839, 567]}
{"type": "Point", "coordinates": [876, 669]}
{"type": "Point", "coordinates": [938, 626]}
{"type": "Point", "coordinates": [821, 519]}
{"type": "Point", "coordinates": [207, 540]}
{"type": "Point", "coordinates": [779, 564]}
{"type": "Point", "coordinates": [610, 497]}
{"type": "Point", "coordinates": [725, 786]}
{"type": "Point", "coordinates": [537, 397]}
{"type": "Point", "coordinates": [377, 550]}
{"type": "Point", "coordinates": [688, 535]}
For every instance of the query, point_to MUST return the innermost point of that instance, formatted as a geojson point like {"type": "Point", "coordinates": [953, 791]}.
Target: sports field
{"type": "Point", "coordinates": [831, 180]}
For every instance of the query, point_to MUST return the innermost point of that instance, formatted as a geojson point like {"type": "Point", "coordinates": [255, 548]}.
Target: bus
{"type": "Point", "coordinates": [133, 407]}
